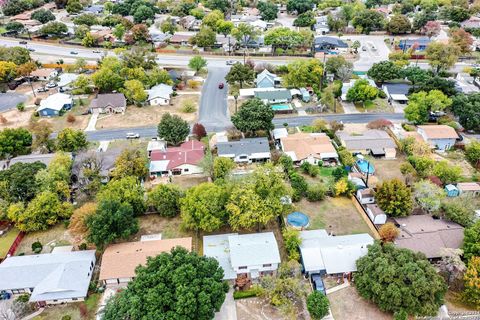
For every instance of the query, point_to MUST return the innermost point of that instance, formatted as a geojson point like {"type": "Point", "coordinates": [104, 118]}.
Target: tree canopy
{"type": "Point", "coordinates": [125, 190]}
{"type": "Point", "coordinates": [14, 142]}
{"type": "Point", "coordinates": [71, 140]}
{"type": "Point", "coordinates": [253, 115]}
{"type": "Point", "coordinates": [421, 103]}
{"type": "Point", "coordinates": [467, 109]}
{"type": "Point", "coordinates": [399, 280]}
{"type": "Point", "coordinates": [240, 73]}
{"type": "Point", "coordinates": [173, 129]}
{"type": "Point", "coordinates": [471, 241]}
{"type": "Point", "coordinates": [165, 199]}
{"type": "Point", "coordinates": [361, 91]}
{"type": "Point", "coordinates": [383, 71]}
{"type": "Point", "coordinates": [173, 285]}
{"type": "Point", "coordinates": [395, 198]}
{"type": "Point", "coordinates": [303, 73]}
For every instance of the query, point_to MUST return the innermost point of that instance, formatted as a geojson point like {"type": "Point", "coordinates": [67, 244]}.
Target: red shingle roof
{"type": "Point", "coordinates": [191, 152]}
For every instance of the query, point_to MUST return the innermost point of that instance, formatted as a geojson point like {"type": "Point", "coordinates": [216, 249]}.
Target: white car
{"type": "Point", "coordinates": [42, 89]}
{"type": "Point", "coordinates": [51, 85]}
{"type": "Point", "coordinates": [230, 62]}
{"type": "Point", "coordinates": [131, 135]}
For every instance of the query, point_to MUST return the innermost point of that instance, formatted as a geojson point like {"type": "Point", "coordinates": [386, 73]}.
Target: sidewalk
{"type": "Point", "coordinates": [92, 122]}
{"type": "Point", "coordinates": [337, 288]}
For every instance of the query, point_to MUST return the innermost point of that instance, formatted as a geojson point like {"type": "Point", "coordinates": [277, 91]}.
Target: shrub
{"type": "Point", "coordinates": [37, 247]}
{"type": "Point", "coordinates": [317, 305]}
{"type": "Point", "coordinates": [338, 173]}
{"type": "Point", "coordinates": [316, 192]}
{"type": "Point", "coordinates": [388, 232]}
{"type": "Point", "coordinates": [71, 118]}
{"type": "Point", "coordinates": [23, 298]}
{"type": "Point", "coordinates": [82, 246]}
{"type": "Point", "coordinates": [346, 157]}
{"type": "Point", "coordinates": [292, 241]}
{"type": "Point", "coordinates": [245, 294]}
{"type": "Point", "coordinates": [194, 84]}
{"type": "Point", "coordinates": [188, 107]}
{"type": "Point", "coordinates": [379, 124]}
{"type": "Point", "coordinates": [21, 107]}
{"type": "Point", "coordinates": [299, 185]}
{"type": "Point", "coordinates": [313, 171]}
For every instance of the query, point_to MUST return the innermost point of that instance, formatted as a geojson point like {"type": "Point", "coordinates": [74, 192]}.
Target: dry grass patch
{"type": "Point", "coordinates": [388, 169]}
{"type": "Point", "coordinates": [17, 119]}
{"type": "Point", "coordinates": [168, 227]}
{"type": "Point", "coordinates": [55, 236]}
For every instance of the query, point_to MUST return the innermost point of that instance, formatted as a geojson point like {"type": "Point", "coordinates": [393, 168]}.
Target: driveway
{"type": "Point", "coordinates": [229, 309]}
{"type": "Point", "coordinates": [213, 103]}
{"type": "Point", "coordinates": [10, 100]}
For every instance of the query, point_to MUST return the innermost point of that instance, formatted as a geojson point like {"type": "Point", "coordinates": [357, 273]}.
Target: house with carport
{"type": "Point", "coordinates": [55, 105]}
{"type": "Point", "coordinates": [371, 142]}
{"type": "Point", "coordinates": [309, 147]}
{"type": "Point", "coordinates": [245, 150]}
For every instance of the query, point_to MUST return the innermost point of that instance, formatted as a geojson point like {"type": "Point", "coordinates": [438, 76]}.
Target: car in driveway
{"type": "Point", "coordinates": [317, 283]}
{"type": "Point", "coordinates": [51, 85]}
{"type": "Point", "coordinates": [42, 89]}
{"type": "Point", "coordinates": [230, 62]}
{"type": "Point", "coordinates": [132, 135]}
{"type": "Point", "coordinates": [221, 85]}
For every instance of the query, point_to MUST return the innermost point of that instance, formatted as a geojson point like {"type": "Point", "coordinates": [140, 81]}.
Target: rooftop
{"type": "Point", "coordinates": [190, 152]}
{"type": "Point", "coordinates": [330, 41]}
{"type": "Point", "coordinates": [55, 101]}
{"type": "Point", "coordinates": [253, 249]}
{"type": "Point", "coordinates": [304, 145]}
{"type": "Point", "coordinates": [160, 91]}
{"type": "Point", "coordinates": [468, 186]}
{"type": "Point", "coordinates": [370, 139]}
{"type": "Point", "coordinates": [439, 132]}
{"type": "Point", "coordinates": [116, 100]}
{"type": "Point", "coordinates": [244, 146]}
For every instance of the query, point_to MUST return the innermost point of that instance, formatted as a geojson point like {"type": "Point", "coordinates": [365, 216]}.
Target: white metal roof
{"type": "Point", "coordinates": [279, 133]}
{"type": "Point", "coordinates": [217, 247]}
{"type": "Point", "coordinates": [159, 165]}
{"type": "Point", "coordinates": [55, 101]}
{"type": "Point", "coordinates": [66, 79]}
{"type": "Point", "coordinates": [253, 249]}
{"type": "Point", "coordinates": [399, 97]}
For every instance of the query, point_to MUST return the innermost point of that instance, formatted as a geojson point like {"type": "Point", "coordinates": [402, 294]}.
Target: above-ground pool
{"type": "Point", "coordinates": [298, 220]}
{"type": "Point", "coordinates": [363, 166]}
{"type": "Point", "coordinates": [281, 107]}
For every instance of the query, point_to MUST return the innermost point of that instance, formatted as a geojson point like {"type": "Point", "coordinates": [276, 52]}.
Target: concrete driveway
{"type": "Point", "coordinates": [10, 100]}
{"type": "Point", "coordinates": [229, 309]}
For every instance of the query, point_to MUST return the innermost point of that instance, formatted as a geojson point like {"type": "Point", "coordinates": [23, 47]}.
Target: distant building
{"type": "Point", "coordinates": [421, 44]}
{"type": "Point", "coordinates": [109, 103]}
{"type": "Point", "coordinates": [44, 74]}
{"type": "Point", "coordinates": [321, 25]}
{"type": "Point", "coordinates": [440, 137]}
{"type": "Point", "coordinates": [65, 81]}
{"type": "Point", "coordinates": [266, 79]}
{"type": "Point", "coordinates": [55, 105]}
{"type": "Point", "coordinates": [323, 43]}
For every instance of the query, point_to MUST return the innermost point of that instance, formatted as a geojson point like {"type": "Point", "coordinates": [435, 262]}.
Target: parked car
{"type": "Point", "coordinates": [221, 85]}
{"type": "Point", "coordinates": [364, 48]}
{"type": "Point", "coordinates": [23, 42]}
{"type": "Point", "coordinates": [73, 52]}
{"type": "Point", "coordinates": [132, 135]}
{"type": "Point", "coordinates": [51, 85]}
{"type": "Point", "coordinates": [31, 49]}
{"type": "Point", "coordinates": [97, 51]}
{"type": "Point", "coordinates": [317, 283]}
{"type": "Point", "coordinates": [42, 89]}
{"type": "Point", "coordinates": [230, 62]}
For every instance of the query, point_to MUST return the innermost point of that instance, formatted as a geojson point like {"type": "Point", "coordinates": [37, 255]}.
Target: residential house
{"type": "Point", "coordinates": [180, 39]}
{"type": "Point", "coordinates": [29, 158]}
{"type": "Point", "coordinates": [396, 92]}
{"type": "Point", "coordinates": [347, 85]}
{"type": "Point", "coordinates": [376, 215]}
{"type": "Point", "coordinates": [374, 142]}
{"type": "Point", "coordinates": [440, 137]}
{"type": "Point", "coordinates": [102, 162]}
{"type": "Point", "coordinates": [266, 79]}
{"type": "Point", "coordinates": [49, 278]}
{"type": "Point", "coordinates": [120, 260]}
{"type": "Point", "coordinates": [470, 188]}
{"type": "Point", "coordinates": [465, 83]}
{"type": "Point", "coordinates": [274, 95]}
{"type": "Point", "coordinates": [311, 148]}
{"type": "Point", "coordinates": [156, 145]}
{"type": "Point", "coordinates": [321, 25]}
{"type": "Point", "coordinates": [44, 74]}
{"type": "Point", "coordinates": [365, 196]}
{"type": "Point", "coordinates": [421, 44]}
{"type": "Point", "coordinates": [254, 254]}
{"type": "Point", "coordinates": [181, 160]}
{"type": "Point", "coordinates": [109, 103]}
{"type": "Point", "coordinates": [426, 234]}
{"type": "Point", "coordinates": [190, 23]}
{"type": "Point", "coordinates": [95, 9]}
{"type": "Point", "coordinates": [324, 44]}
{"type": "Point", "coordinates": [472, 23]}
{"type": "Point", "coordinates": [55, 105]}
{"type": "Point", "coordinates": [65, 81]}
{"type": "Point", "coordinates": [160, 94]}
{"type": "Point", "coordinates": [245, 150]}
{"type": "Point", "coordinates": [325, 254]}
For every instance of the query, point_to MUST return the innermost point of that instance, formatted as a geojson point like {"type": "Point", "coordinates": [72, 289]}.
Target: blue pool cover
{"type": "Point", "coordinates": [298, 219]}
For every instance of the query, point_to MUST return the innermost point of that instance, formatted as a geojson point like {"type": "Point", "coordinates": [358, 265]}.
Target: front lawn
{"type": "Point", "coordinates": [377, 105]}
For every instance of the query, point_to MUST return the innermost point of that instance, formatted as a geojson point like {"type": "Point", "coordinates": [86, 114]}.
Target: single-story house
{"type": "Point", "coordinates": [375, 142]}
{"type": "Point", "coordinates": [274, 95]}
{"type": "Point", "coordinates": [323, 43]}
{"type": "Point", "coordinates": [325, 254]}
{"type": "Point", "coordinates": [245, 150]}
{"type": "Point", "coordinates": [396, 92]}
{"type": "Point", "coordinates": [253, 254]}
{"type": "Point", "coordinates": [44, 74]}
{"type": "Point", "coordinates": [29, 158]}
{"type": "Point", "coordinates": [375, 213]}
{"type": "Point", "coordinates": [156, 144]}
{"type": "Point", "coordinates": [160, 95]}
{"type": "Point", "coordinates": [440, 137]}
{"type": "Point", "coordinates": [55, 104]}
{"type": "Point", "coordinates": [103, 161]}
{"type": "Point", "coordinates": [465, 83]}
{"type": "Point", "coordinates": [471, 188]}
{"type": "Point", "coordinates": [347, 85]}
{"type": "Point", "coordinates": [181, 160]}
{"type": "Point", "coordinates": [120, 260]}
{"type": "Point", "coordinates": [180, 39]}
{"type": "Point", "coordinates": [321, 25]}
{"type": "Point", "coordinates": [109, 103]}
{"type": "Point", "coordinates": [65, 81]}
{"type": "Point", "coordinates": [266, 79]}
{"type": "Point", "coordinates": [365, 196]}
{"type": "Point", "coordinates": [311, 148]}
{"type": "Point", "coordinates": [472, 23]}
{"type": "Point", "coordinates": [421, 44]}
{"type": "Point", "coordinates": [49, 278]}
{"type": "Point", "coordinates": [423, 233]}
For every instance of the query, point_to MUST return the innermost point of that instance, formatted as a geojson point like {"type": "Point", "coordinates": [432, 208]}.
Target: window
{"type": "Point", "coordinates": [74, 299]}
{"type": "Point", "coordinates": [268, 265]}
{"type": "Point", "coordinates": [242, 268]}
{"type": "Point", "coordinates": [185, 170]}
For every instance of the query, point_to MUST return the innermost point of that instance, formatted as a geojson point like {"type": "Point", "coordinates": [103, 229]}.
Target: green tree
{"type": "Point", "coordinates": [112, 220]}
{"type": "Point", "coordinates": [204, 38]}
{"type": "Point", "coordinates": [299, 6]}
{"type": "Point", "coordinates": [89, 41]}
{"type": "Point", "coordinates": [186, 285]}
{"type": "Point", "coordinates": [14, 142]}
{"type": "Point", "coordinates": [460, 210]}
{"type": "Point", "coordinates": [107, 80]}
{"type": "Point", "coordinates": [81, 31]}
{"type": "Point", "coordinates": [361, 91]}
{"type": "Point", "coordinates": [143, 13]}
{"type": "Point", "coordinates": [82, 85]}
{"type": "Point", "coordinates": [317, 305]}
{"type": "Point", "coordinates": [446, 172]}
{"type": "Point", "coordinates": [222, 167]}
{"type": "Point", "coordinates": [429, 196]}
{"type": "Point", "coordinates": [292, 242]}
{"type": "Point", "coordinates": [441, 56]}
{"type": "Point", "coordinates": [399, 24]}
{"type": "Point", "coordinates": [126, 190]}
{"type": "Point", "coordinates": [14, 26]}
{"type": "Point", "coordinates": [203, 207]}
{"type": "Point", "coordinates": [472, 152]}
{"type": "Point", "coordinates": [43, 211]}
{"type": "Point", "coordinates": [17, 183]}
{"type": "Point", "coordinates": [467, 109]}
{"type": "Point", "coordinates": [130, 163]}
{"type": "Point", "coordinates": [303, 73]}
{"type": "Point", "coordinates": [54, 28]}
{"type": "Point", "coordinates": [222, 5]}
{"type": "Point", "coordinates": [71, 140]}
{"type": "Point", "coordinates": [395, 198]}
{"type": "Point", "coordinates": [253, 115]}
{"type": "Point", "coordinates": [244, 33]}
{"type": "Point", "coordinates": [368, 20]}
{"type": "Point", "coordinates": [415, 74]}
{"type": "Point", "coordinates": [197, 63]}
{"type": "Point", "coordinates": [135, 92]}
{"type": "Point", "coordinates": [211, 20]}
{"type": "Point", "coordinates": [168, 26]}
{"type": "Point", "coordinates": [173, 129]}
{"type": "Point", "coordinates": [16, 55]}
{"type": "Point", "coordinates": [43, 16]}
{"type": "Point", "coordinates": [87, 19]}
{"type": "Point", "coordinates": [306, 19]}
{"type": "Point", "coordinates": [74, 6]}
{"type": "Point", "coordinates": [224, 27]}
{"type": "Point", "coordinates": [421, 103]}
{"type": "Point", "coordinates": [336, 23]}
{"type": "Point", "coordinates": [285, 38]}
{"type": "Point", "coordinates": [471, 294]}
{"type": "Point", "coordinates": [240, 73]}
{"type": "Point", "coordinates": [268, 10]}
{"type": "Point", "coordinates": [341, 68]}
{"type": "Point", "coordinates": [399, 280]}
{"type": "Point", "coordinates": [471, 241]}
{"type": "Point", "coordinates": [384, 71]}
{"type": "Point", "coordinates": [56, 177]}
{"type": "Point", "coordinates": [165, 199]}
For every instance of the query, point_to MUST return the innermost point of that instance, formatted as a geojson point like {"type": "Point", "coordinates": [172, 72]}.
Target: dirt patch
{"type": "Point", "coordinates": [386, 169]}
{"type": "Point", "coordinates": [149, 115]}
{"type": "Point", "coordinates": [257, 309]}
{"type": "Point", "coordinates": [168, 227]}
{"type": "Point", "coordinates": [346, 304]}
{"type": "Point", "coordinates": [53, 237]}
{"type": "Point", "coordinates": [336, 215]}
{"type": "Point", "coordinates": [17, 119]}
{"type": "Point", "coordinates": [355, 128]}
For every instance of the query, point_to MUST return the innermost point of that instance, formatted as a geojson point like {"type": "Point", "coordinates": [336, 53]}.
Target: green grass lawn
{"type": "Point", "coordinates": [7, 240]}
{"type": "Point", "coordinates": [2, 30]}
{"type": "Point", "coordinates": [377, 105]}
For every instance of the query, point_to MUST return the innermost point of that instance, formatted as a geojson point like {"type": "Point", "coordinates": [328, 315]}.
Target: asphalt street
{"type": "Point", "coordinates": [213, 112]}
{"type": "Point", "coordinates": [10, 100]}
{"type": "Point", "coordinates": [150, 132]}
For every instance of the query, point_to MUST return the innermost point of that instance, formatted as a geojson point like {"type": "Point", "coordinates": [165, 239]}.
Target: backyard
{"type": "Point", "coordinates": [77, 311]}
{"type": "Point", "coordinates": [386, 169]}
{"type": "Point", "coordinates": [53, 237]}
{"type": "Point", "coordinates": [337, 215]}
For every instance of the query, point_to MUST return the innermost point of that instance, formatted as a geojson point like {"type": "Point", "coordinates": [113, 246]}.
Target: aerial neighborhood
{"type": "Point", "coordinates": [238, 160]}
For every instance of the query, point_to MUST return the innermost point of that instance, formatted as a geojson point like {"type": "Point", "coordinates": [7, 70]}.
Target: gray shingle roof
{"type": "Point", "coordinates": [370, 139]}
{"type": "Point", "coordinates": [243, 146]}
{"type": "Point", "coordinates": [274, 95]}
{"type": "Point", "coordinates": [115, 100]}
{"type": "Point", "coordinates": [330, 41]}
{"type": "Point", "coordinates": [397, 88]}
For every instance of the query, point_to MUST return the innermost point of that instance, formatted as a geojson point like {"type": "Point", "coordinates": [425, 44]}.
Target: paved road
{"type": "Point", "coordinates": [369, 57]}
{"type": "Point", "coordinates": [150, 132]}
{"type": "Point", "coordinates": [213, 103]}
{"type": "Point", "coordinates": [10, 100]}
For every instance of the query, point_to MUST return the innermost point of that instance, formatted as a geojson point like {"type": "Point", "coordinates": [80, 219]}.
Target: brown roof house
{"type": "Point", "coordinates": [120, 260]}
{"type": "Point", "coordinates": [44, 74]}
{"type": "Point", "coordinates": [425, 234]}
{"type": "Point", "coordinates": [471, 188]}
{"type": "Point", "coordinates": [375, 142]}
{"type": "Point", "coordinates": [311, 148]}
{"type": "Point", "coordinates": [440, 137]}
{"type": "Point", "coordinates": [109, 103]}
